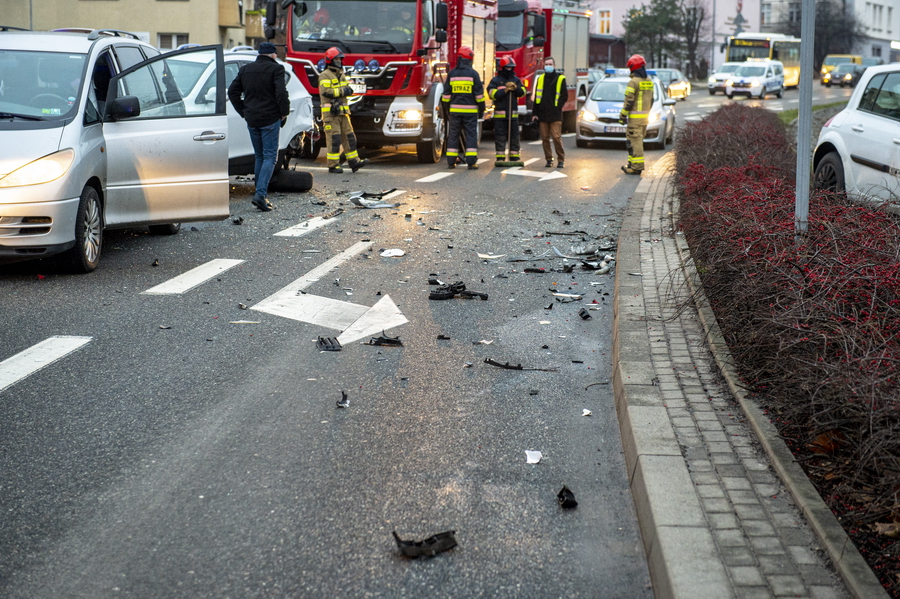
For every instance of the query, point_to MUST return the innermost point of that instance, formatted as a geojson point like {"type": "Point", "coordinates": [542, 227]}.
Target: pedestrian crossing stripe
{"type": "Point", "coordinates": [193, 278]}
{"type": "Point", "coordinates": [36, 357]}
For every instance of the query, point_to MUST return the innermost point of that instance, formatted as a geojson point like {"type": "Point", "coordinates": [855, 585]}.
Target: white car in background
{"type": "Point", "coordinates": [858, 149]}
{"type": "Point", "coordinates": [716, 81]}
{"type": "Point", "coordinates": [197, 85]}
{"type": "Point", "coordinates": [756, 78]}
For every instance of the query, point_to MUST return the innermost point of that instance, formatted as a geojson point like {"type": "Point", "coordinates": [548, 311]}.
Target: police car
{"type": "Point", "coordinates": [757, 78]}
{"type": "Point", "coordinates": [598, 119]}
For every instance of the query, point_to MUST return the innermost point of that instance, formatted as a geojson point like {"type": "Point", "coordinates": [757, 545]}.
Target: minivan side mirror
{"type": "Point", "coordinates": [126, 107]}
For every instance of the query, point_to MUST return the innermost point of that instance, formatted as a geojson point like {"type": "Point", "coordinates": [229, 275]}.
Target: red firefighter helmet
{"type": "Point", "coordinates": [321, 18]}
{"type": "Point", "coordinates": [466, 52]}
{"type": "Point", "coordinates": [331, 54]}
{"type": "Point", "coordinates": [507, 61]}
{"type": "Point", "coordinates": [635, 62]}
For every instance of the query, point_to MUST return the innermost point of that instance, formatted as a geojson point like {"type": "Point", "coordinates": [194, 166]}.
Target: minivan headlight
{"type": "Point", "coordinates": [712, 79]}
{"type": "Point", "coordinates": [43, 170]}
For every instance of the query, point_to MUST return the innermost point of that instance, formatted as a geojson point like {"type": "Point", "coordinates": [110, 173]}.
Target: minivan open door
{"type": "Point", "coordinates": [167, 159]}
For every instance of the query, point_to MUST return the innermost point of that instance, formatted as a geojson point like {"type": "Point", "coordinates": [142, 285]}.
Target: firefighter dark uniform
{"type": "Point", "coordinates": [463, 101]}
{"type": "Point", "coordinates": [636, 113]}
{"type": "Point", "coordinates": [505, 89]}
{"type": "Point", "coordinates": [333, 92]}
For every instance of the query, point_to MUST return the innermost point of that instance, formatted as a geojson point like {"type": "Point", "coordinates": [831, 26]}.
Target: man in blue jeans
{"type": "Point", "coordinates": [259, 95]}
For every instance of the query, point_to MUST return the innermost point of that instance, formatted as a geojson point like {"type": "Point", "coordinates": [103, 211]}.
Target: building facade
{"type": "Point", "coordinates": [164, 23]}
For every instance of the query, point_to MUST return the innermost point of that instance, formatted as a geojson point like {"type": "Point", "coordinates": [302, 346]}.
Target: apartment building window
{"type": "Point", "coordinates": [604, 21]}
{"type": "Point", "coordinates": [876, 51]}
{"type": "Point", "coordinates": [766, 13]}
{"type": "Point", "coordinates": [793, 12]}
{"type": "Point", "coordinates": [170, 41]}
{"type": "Point", "coordinates": [890, 20]}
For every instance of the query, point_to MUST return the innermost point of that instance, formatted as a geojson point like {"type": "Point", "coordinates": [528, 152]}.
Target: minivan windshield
{"type": "Point", "coordinates": [750, 71]}
{"type": "Point", "coordinates": [43, 85]}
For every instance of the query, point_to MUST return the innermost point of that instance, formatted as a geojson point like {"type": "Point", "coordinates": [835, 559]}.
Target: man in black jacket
{"type": "Point", "coordinates": [550, 95]}
{"type": "Point", "coordinates": [505, 90]}
{"type": "Point", "coordinates": [265, 107]}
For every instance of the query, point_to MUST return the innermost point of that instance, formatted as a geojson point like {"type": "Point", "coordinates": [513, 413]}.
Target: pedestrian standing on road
{"type": "Point", "coordinates": [464, 102]}
{"type": "Point", "coordinates": [636, 113]}
{"type": "Point", "coordinates": [550, 95]}
{"type": "Point", "coordinates": [259, 95]}
{"type": "Point", "coordinates": [505, 89]}
{"type": "Point", "coordinates": [334, 89]}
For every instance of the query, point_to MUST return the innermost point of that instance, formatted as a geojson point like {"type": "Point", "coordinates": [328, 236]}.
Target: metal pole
{"type": "Point", "coordinates": [804, 122]}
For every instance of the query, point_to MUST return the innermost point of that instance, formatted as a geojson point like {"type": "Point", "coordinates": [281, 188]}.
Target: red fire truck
{"type": "Point", "coordinates": [397, 56]}
{"type": "Point", "coordinates": [568, 43]}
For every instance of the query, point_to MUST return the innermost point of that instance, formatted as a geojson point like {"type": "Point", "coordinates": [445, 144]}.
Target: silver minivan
{"type": "Point", "coordinates": [94, 134]}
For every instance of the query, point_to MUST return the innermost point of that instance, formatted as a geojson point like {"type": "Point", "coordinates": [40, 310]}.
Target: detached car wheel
{"type": "Point", "coordinates": [829, 175]}
{"type": "Point", "coordinates": [85, 256]}
{"type": "Point", "coordinates": [291, 181]}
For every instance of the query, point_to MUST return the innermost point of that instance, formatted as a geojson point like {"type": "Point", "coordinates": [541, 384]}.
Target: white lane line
{"type": "Point", "coordinates": [480, 160]}
{"type": "Point", "coordinates": [290, 291]}
{"type": "Point", "coordinates": [567, 135]}
{"type": "Point", "coordinates": [48, 351]}
{"type": "Point", "coordinates": [535, 143]}
{"type": "Point", "coordinates": [193, 277]}
{"type": "Point", "coordinates": [393, 194]}
{"type": "Point", "coordinates": [433, 178]}
{"type": "Point", "coordinates": [527, 162]}
{"type": "Point", "coordinates": [305, 227]}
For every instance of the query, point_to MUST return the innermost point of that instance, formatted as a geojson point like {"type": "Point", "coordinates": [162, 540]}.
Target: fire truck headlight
{"type": "Point", "coordinates": [360, 65]}
{"type": "Point", "coordinates": [374, 65]}
{"type": "Point", "coordinates": [321, 66]}
{"type": "Point", "coordinates": [409, 115]}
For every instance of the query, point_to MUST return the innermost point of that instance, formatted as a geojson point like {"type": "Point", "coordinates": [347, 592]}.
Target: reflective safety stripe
{"type": "Point", "coordinates": [471, 151]}
{"type": "Point", "coordinates": [331, 156]}
{"type": "Point", "coordinates": [539, 88]}
{"type": "Point", "coordinates": [464, 110]}
{"type": "Point", "coordinates": [452, 152]}
{"type": "Point", "coordinates": [352, 155]}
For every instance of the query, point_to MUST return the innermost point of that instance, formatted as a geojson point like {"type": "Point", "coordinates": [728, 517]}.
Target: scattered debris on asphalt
{"type": "Point", "coordinates": [533, 392]}
{"type": "Point", "coordinates": [333, 213]}
{"type": "Point", "coordinates": [393, 253]}
{"type": "Point", "coordinates": [385, 340]}
{"type": "Point", "coordinates": [584, 314]}
{"type": "Point", "coordinates": [344, 401]}
{"type": "Point", "coordinates": [566, 498]}
{"type": "Point", "coordinates": [364, 199]}
{"type": "Point", "coordinates": [328, 344]}
{"type": "Point", "coordinates": [490, 256]}
{"type": "Point", "coordinates": [586, 412]}
{"type": "Point", "coordinates": [473, 295]}
{"type": "Point", "coordinates": [243, 322]}
{"type": "Point", "coordinates": [533, 457]}
{"type": "Point", "coordinates": [243, 306]}
{"type": "Point", "coordinates": [155, 263]}
{"type": "Point", "coordinates": [482, 342]}
{"type": "Point", "coordinates": [509, 366]}
{"type": "Point", "coordinates": [237, 221]}
{"type": "Point", "coordinates": [430, 547]}
{"type": "Point", "coordinates": [164, 326]}
{"type": "Point", "coordinates": [443, 338]}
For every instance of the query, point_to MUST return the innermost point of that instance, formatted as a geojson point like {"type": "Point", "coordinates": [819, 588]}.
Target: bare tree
{"type": "Point", "coordinates": [694, 27]}
{"type": "Point", "coordinates": [837, 30]}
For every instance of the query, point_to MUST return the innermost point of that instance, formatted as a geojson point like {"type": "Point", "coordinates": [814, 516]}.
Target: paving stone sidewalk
{"type": "Point", "coordinates": [716, 521]}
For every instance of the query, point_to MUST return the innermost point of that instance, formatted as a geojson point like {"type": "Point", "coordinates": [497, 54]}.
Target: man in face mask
{"type": "Point", "coordinates": [505, 90]}
{"type": "Point", "coordinates": [550, 95]}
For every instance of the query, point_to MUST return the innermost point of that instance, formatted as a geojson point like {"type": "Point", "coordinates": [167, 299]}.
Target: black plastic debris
{"type": "Point", "coordinates": [385, 340]}
{"type": "Point", "coordinates": [443, 338]}
{"type": "Point", "coordinates": [472, 295]}
{"type": "Point", "coordinates": [566, 498]}
{"type": "Point", "coordinates": [533, 392]}
{"type": "Point", "coordinates": [534, 270]}
{"type": "Point", "coordinates": [194, 229]}
{"type": "Point", "coordinates": [237, 221]}
{"type": "Point", "coordinates": [508, 366]}
{"type": "Point", "coordinates": [430, 547]}
{"type": "Point", "coordinates": [155, 263]}
{"type": "Point", "coordinates": [328, 344]}
{"type": "Point", "coordinates": [584, 314]}
{"type": "Point", "coordinates": [448, 291]}
{"type": "Point", "coordinates": [344, 401]}
{"type": "Point", "coordinates": [549, 307]}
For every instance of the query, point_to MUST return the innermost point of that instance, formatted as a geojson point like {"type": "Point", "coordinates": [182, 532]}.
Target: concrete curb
{"type": "Point", "coordinates": [682, 556]}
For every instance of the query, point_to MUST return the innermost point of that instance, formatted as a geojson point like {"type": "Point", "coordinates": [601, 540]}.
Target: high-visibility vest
{"type": "Point", "coordinates": [539, 88]}
{"type": "Point", "coordinates": [638, 100]}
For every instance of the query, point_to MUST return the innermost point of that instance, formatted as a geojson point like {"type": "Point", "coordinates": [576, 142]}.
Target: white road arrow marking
{"type": "Point", "coordinates": [27, 362]}
{"type": "Point", "coordinates": [540, 176]}
{"type": "Point", "coordinates": [354, 320]}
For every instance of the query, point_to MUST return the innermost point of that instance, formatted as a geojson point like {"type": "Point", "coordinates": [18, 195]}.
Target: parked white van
{"type": "Point", "coordinates": [757, 78]}
{"type": "Point", "coordinates": [94, 134]}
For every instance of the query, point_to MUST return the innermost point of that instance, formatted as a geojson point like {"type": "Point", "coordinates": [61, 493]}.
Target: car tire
{"type": "Point", "coordinates": [85, 256]}
{"type": "Point", "coordinates": [291, 181]}
{"type": "Point", "coordinates": [730, 96]}
{"type": "Point", "coordinates": [712, 92]}
{"type": "Point", "coordinates": [779, 93]}
{"type": "Point", "coordinates": [829, 175]}
{"type": "Point", "coordinates": [827, 85]}
{"type": "Point", "coordinates": [670, 138]}
{"type": "Point", "coordinates": [171, 229]}
{"type": "Point", "coordinates": [582, 143]}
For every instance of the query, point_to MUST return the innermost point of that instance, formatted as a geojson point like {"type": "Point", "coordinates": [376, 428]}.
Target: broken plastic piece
{"type": "Point", "coordinates": [394, 253]}
{"type": "Point", "coordinates": [472, 295]}
{"type": "Point", "coordinates": [566, 498]}
{"type": "Point", "coordinates": [371, 195]}
{"type": "Point", "coordinates": [430, 547]}
{"type": "Point", "coordinates": [344, 401]}
{"type": "Point", "coordinates": [385, 340]}
{"type": "Point", "coordinates": [507, 365]}
{"type": "Point", "coordinates": [328, 344]}
{"type": "Point", "coordinates": [585, 412]}
{"type": "Point", "coordinates": [490, 256]}
{"type": "Point", "coordinates": [534, 270]}
{"type": "Point", "coordinates": [533, 457]}
{"type": "Point", "coordinates": [333, 213]}
{"type": "Point", "coordinates": [362, 202]}
{"type": "Point", "coordinates": [584, 314]}
{"type": "Point", "coordinates": [443, 338]}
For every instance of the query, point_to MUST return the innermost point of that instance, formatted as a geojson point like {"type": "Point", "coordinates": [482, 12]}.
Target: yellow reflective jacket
{"type": "Point", "coordinates": [638, 100]}
{"type": "Point", "coordinates": [333, 88]}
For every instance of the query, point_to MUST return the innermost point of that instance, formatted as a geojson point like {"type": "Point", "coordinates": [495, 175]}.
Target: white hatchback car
{"type": "Point", "coordinates": [757, 78]}
{"type": "Point", "coordinates": [96, 135]}
{"type": "Point", "coordinates": [716, 81]}
{"type": "Point", "coordinates": [196, 82]}
{"type": "Point", "coordinates": [858, 150]}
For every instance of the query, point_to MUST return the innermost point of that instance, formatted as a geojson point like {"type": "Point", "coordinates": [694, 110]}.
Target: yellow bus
{"type": "Point", "coordinates": [773, 46]}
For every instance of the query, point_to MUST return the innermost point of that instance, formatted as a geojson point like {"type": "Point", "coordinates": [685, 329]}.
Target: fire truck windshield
{"type": "Point", "coordinates": [380, 26]}
{"type": "Point", "coordinates": [510, 30]}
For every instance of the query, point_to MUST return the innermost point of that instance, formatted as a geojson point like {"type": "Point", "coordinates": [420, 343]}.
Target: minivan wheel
{"type": "Point", "coordinates": [829, 175]}
{"type": "Point", "coordinates": [85, 256]}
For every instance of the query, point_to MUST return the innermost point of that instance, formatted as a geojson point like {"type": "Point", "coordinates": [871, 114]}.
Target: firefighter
{"type": "Point", "coordinates": [505, 89]}
{"type": "Point", "coordinates": [333, 92]}
{"type": "Point", "coordinates": [635, 113]}
{"type": "Point", "coordinates": [464, 103]}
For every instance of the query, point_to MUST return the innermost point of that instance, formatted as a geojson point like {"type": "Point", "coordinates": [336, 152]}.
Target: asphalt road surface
{"type": "Point", "coordinates": [166, 441]}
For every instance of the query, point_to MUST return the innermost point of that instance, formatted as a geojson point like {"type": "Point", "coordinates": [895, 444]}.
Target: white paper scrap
{"type": "Point", "coordinates": [586, 412]}
{"type": "Point", "coordinates": [490, 256]}
{"type": "Point", "coordinates": [395, 253]}
{"type": "Point", "coordinates": [533, 457]}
